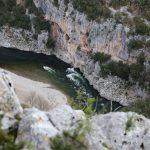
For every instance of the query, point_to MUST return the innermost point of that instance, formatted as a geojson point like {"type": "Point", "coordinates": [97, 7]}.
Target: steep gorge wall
{"type": "Point", "coordinates": [77, 38]}
{"type": "Point", "coordinates": [75, 31]}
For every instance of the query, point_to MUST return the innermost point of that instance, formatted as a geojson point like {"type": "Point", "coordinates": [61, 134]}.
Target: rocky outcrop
{"type": "Point", "coordinates": [23, 40]}
{"type": "Point", "coordinates": [37, 127]}
{"type": "Point", "coordinates": [126, 131]}
{"type": "Point", "coordinates": [9, 102]}
{"type": "Point", "coordinates": [76, 39]}
{"type": "Point", "coordinates": [119, 131]}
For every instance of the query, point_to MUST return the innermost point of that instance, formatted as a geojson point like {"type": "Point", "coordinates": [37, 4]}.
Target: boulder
{"type": "Point", "coordinates": [37, 127]}
{"type": "Point", "coordinates": [119, 131]}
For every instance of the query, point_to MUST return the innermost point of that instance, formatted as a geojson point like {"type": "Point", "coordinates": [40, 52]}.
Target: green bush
{"type": "Point", "coordinates": [116, 69]}
{"type": "Point", "coordinates": [148, 43]}
{"type": "Point", "coordinates": [146, 14]}
{"type": "Point", "coordinates": [13, 15]}
{"type": "Point", "coordinates": [84, 102]}
{"type": "Point", "coordinates": [101, 57]}
{"type": "Point", "coordinates": [135, 44]}
{"type": "Point", "coordinates": [95, 9]}
{"type": "Point", "coordinates": [56, 3]}
{"type": "Point", "coordinates": [135, 71]}
{"type": "Point", "coordinates": [141, 59]}
{"type": "Point", "coordinates": [118, 3]}
{"type": "Point", "coordinates": [142, 29]}
{"type": "Point", "coordinates": [140, 107]}
{"type": "Point", "coordinates": [40, 24]}
{"type": "Point", "coordinates": [50, 42]}
{"type": "Point", "coordinates": [32, 8]}
{"type": "Point", "coordinates": [66, 2]}
{"type": "Point", "coordinates": [7, 142]}
{"type": "Point", "coordinates": [129, 123]}
{"type": "Point", "coordinates": [71, 141]}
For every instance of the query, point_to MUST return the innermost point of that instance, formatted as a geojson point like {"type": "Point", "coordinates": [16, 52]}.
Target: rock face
{"type": "Point", "coordinates": [76, 39]}
{"type": "Point", "coordinates": [37, 127]}
{"type": "Point", "coordinates": [23, 40]}
{"type": "Point", "coordinates": [73, 30]}
{"type": "Point", "coordinates": [9, 102]}
{"type": "Point", "coordinates": [119, 131]}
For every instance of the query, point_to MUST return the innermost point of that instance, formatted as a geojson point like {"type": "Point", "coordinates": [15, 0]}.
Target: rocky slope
{"type": "Point", "coordinates": [113, 131]}
{"type": "Point", "coordinates": [76, 39]}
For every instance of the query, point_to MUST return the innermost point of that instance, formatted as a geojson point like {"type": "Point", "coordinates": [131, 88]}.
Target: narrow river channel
{"type": "Point", "coordinates": [49, 69]}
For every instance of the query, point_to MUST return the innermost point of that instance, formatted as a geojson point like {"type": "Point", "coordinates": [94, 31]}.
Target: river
{"type": "Point", "coordinates": [49, 69]}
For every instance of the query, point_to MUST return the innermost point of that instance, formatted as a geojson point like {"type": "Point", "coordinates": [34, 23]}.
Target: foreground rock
{"type": "Point", "coordinates": [37, 127]}
{"type": "Point", "coordinates": [119, 131]}
{"type": "Point", "coordinates": [113, 131]}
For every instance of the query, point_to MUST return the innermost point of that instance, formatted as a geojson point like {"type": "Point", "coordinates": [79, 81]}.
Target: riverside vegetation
{"type": "Point", "coordinates": [136, 70]}
{"type": "Point", "coordinates": [17, 16]}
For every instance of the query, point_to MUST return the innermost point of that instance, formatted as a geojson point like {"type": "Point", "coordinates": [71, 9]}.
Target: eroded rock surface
{"type": "Point", "coordinates": [37, 127]}
{"type": "Point", "coordinates": [9, 102]}
{"type": "Point", "coordinates": [119, 131]}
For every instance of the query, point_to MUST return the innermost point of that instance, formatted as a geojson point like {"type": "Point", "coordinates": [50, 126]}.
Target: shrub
{"type": "Point", "coordinates": [118, 3]}
{"type": "Point", "coordinates": [135, 71]}
{"type": "Point", "coordinates": [135, 44]}
{"type": "Point", "coordinates": [84, 102]}
{"type": "Point", "coordinates": [148, 43]}
{"type": "Point", "coordinates": [129, 123]}
{"type": "Point", "coordinates": [142, 29]}
{"type": "Point", "coordinates": [71, 141]}
{"type": "Point", "coordinates": [13, 15]}
{"type": "Point", "coordinates": [101, 57]}
{"type": "Point", "coordinates": [141, 59]}
{"type": "Point", "coordinates": [7, 142]}
{"type": "Point", "coordinates": [147, 15]}
{"type": "Point", "coordinates": [22, 21]}
{"type": "Point", "coordinates": [40, 24]}
{"type": "Point", "coordinates": [116, 69]}
{"type": "Point", "coordinates": [66, 2]}
{"type": "Point", "coordinates": [50, 42]}
{"type": "Point", "coordinates": [94, 9]}
{"type": "Point", "coordinates": [55, 2]}
{"type": "Point", "coordinates": [140, 107]}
